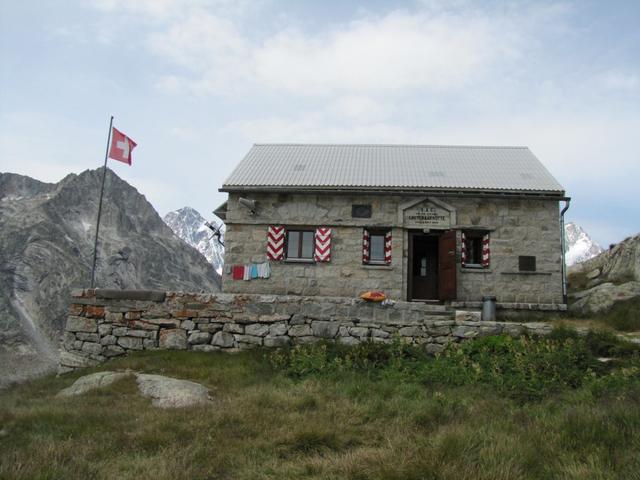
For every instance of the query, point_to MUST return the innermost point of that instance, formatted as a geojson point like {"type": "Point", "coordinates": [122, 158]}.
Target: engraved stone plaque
{"type": "Point", "coordinates": [427, 215]}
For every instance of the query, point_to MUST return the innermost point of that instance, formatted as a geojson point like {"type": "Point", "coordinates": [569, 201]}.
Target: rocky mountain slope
{"type": "Point", "coordinates": [613, 276]}
{"type": "Point", "coordinates": [188, 224]}
{"type": "Point", "coordinates": [580, 246]}
{"type": "Point", "coordinates": [46, 247]}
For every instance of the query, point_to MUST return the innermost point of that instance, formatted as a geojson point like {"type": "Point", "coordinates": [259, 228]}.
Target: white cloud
{"type": "Point", "coordinates": [395, 53]}
{"type": "Point", "coordinates": [199, 42]}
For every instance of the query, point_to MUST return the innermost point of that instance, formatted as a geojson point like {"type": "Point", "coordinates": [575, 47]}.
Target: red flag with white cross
{"type": "Point", "coordinates": [121, 146]}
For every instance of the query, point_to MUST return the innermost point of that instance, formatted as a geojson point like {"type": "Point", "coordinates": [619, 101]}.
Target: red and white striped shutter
{"type": "Point", "coordinates": [486, 252]}
{"type": "Point", "coordinates": [275, 242]}
{"type": "Point", "coordinates": [322, 251]}
{"type": "Point", "coordinates": [387, 248]}
{"type": "Point", "coordinates": [463, 256]}
{"type": "Point", "coordinates": [365, 246]}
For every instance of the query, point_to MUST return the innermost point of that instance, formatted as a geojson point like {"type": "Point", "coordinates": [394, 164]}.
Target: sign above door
{"type": "Point", "coordinates": [427, 213]}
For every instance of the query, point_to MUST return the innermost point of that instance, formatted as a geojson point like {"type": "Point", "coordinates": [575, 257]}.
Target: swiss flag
{"type": "Point", "coordinates": [121, 146]}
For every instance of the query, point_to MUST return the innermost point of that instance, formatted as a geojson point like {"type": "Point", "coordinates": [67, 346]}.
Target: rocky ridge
{"type": "Point", "coordinates": [46, 248]}
{"type": "Point", "coordinates": [611, 277]}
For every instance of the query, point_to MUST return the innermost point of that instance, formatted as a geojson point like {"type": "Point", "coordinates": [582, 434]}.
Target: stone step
{"type": "Point", "coordinates": [434, 308]}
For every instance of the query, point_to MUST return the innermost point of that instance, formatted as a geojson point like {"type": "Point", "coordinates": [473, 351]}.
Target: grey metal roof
{"type": "Point", "coordinates": [391, 167]}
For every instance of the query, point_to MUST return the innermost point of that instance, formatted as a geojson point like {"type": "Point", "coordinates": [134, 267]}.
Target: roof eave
{"type": "Point", "coordinates": [556, 194]}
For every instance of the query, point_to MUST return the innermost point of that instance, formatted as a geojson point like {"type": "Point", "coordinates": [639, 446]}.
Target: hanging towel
{"type": "Point", "coordinates": [247, 272]}
{"type": "Point", "coordinates": [266, 270]}
{"type": "Point", "coordinates": [237, 272]}
{"type": "Point", "coordinates": [254, 270]}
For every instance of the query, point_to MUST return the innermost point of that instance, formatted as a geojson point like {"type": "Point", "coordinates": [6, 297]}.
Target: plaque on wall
{"type": "Point", "coordinates": [428, 214]}
{"type": "Point", "coordinates": [361, 211]}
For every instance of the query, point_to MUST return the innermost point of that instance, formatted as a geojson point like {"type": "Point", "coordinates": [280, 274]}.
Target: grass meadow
{"type": "Point", "coordinates": [495, 408]}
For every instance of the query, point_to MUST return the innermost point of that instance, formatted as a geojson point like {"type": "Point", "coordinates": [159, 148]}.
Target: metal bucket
{"type": "Point", "coordinates": [488, 308]}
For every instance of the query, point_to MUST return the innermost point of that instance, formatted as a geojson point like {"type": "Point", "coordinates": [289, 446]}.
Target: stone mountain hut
{"type": "Point", "coordinates": [447, 224]}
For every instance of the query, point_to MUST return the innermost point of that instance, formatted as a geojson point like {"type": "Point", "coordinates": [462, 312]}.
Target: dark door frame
{"type": "Point", "coordinates": [412, 234]}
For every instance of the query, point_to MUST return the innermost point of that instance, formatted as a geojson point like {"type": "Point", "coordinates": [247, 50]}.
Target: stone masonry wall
{"type": "Point", "coordinates": [517, 227]}
{"type": "Point", "coordinates": [108, 323]}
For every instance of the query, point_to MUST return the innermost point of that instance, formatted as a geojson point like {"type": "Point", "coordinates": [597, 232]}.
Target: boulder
{"type": "Point", "coordinates": [166, 392]}
{"type": "Point", "coordinates": [593, 273]}
{"type": "Point", "coordinates": [602, 297]}
{"type": "Point", "coordinates": [91, 382]}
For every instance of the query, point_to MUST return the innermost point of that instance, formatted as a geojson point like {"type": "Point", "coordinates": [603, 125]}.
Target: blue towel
{"type": "Point", "coordinates": [254, 270]}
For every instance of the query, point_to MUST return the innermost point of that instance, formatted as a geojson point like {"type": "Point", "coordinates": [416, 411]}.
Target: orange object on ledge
{"type": "Point", "coordinates": [373, 296]}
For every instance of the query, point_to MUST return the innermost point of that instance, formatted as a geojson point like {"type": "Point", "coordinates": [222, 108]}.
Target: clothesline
{"type": "Point", "coordinates": [251, 271]}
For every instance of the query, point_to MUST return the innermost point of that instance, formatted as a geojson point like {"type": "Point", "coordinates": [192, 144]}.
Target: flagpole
{"type": "Point", "coordinates": [104, 175]}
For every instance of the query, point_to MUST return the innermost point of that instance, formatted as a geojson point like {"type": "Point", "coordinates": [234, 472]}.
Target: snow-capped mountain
{"type": "Point", "coordinates": [188, 224]}
{"type": "Point", "coordinates": [580, 247]}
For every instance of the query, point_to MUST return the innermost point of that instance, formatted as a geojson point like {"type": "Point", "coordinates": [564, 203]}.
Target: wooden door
{"type": "Point", "coordinates": [423, 267]}
{"type": "Point", "coordinates": [447, 266]}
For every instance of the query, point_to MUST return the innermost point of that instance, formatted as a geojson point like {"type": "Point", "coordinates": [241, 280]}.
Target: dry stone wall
{"type": "Point", "coordinates": [108, 323]}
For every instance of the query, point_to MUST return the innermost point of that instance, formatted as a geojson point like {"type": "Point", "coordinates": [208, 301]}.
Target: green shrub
{"type": "Point", "coordinates": [624, 316]}
{"type": "Point", "coordinates": [322, 358]}
{"type": "Point", "coordinates": [619, 382]}
{"type": "Point", "coordinates": [601, 343]}
{"type": "Point", "coordinates": [524, 369]}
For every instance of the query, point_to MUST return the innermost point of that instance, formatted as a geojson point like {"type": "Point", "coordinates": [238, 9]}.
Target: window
{"type": "Point", "coordinates": [376, 247]}
{"type": "Point", "coordinates": [300, 244]}
{"type": "Point", "coordinates": [475, 249]}
{"type": "Point", "coordinates": [527, 263]}
{"type": "Point", "coordinates": [376, 254]}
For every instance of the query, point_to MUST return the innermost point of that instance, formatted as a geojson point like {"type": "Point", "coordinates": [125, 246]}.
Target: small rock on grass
{"type": "Point", "coordinates": [91, 382]}
{"type": "Point", "coordinates": [166, 392]}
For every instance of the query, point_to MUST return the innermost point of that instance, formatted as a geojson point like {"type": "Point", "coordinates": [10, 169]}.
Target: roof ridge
{"type": "Point", "coordinates": [385, 145]}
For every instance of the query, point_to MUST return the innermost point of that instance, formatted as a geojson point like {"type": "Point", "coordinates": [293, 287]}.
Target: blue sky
{"type": "Point", "coordinates": [196, 83]}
